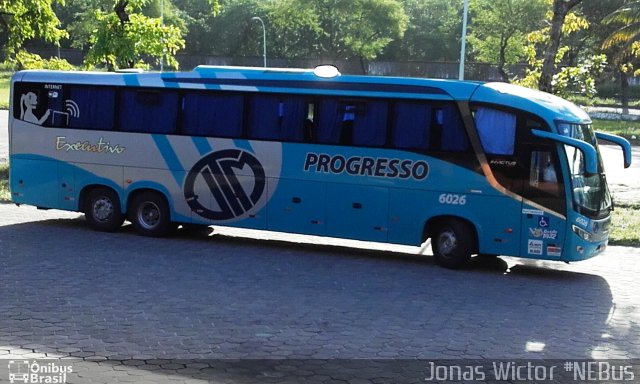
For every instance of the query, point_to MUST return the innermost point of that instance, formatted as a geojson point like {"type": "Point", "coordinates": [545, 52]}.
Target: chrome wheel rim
{"type": "Point", "coordinates": [103, 209]}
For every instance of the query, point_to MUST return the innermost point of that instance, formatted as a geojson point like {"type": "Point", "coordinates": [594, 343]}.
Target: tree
{"type": "Point", "coordinates": [198, 17]}
{"type": "Point", "coordinates": [31, 18]}
{"type": "Point", "coordinates": [560, 10]}
{"type": "Point", "coordinates": [125, 38]}
{"type": "Point", "coordinates": [499, 29]}
{"type": "Point", "coordinates": [227, 33]}
{"type": "Point", "coordinates": [567, 79]}
{"type": "Point", "coordinates": [350, 29]}
{"type": "Point", "coordinates": [294, 26]}
{"type": "Point", "coordinates": [623, 43]}
{"type": "Point", "coordinates": [433, 32]}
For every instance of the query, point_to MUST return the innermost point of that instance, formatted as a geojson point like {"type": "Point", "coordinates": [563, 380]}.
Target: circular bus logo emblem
{"type": "Point", "coordinates": [219, 170]}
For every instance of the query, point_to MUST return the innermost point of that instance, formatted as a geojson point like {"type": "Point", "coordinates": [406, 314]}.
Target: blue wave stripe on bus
{"type": "Point", "coordinates": [131, 79]}
{"type": "Point", "coordinates": [170, 157]}
{"type": "Point", "coordinates": [202, 145]}
{"type": "Point", "coordinates": [322, 85]}
{"type": "Point", "coordinates": [244, 144]}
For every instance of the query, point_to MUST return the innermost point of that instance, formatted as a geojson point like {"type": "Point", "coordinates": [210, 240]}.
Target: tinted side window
{"type": "Point", "coordinates": [352, 122]}
{"type": "Point", "coordinates": [497, 130]}
{"type": "Point", "coordinates": [277, 117]}
{"type": "Point", "coordinates": [411, 125]}
{"type": "Point", "coordinates": [450, 129]}
{"type": "Point", "coordinates": [206, 114]}
{"type": "Point", "coordinates": [370, 124]}
{"type": "Point", "coordinates": [90, 108]}
{"type": "Point", "coordinates": [148, 111]}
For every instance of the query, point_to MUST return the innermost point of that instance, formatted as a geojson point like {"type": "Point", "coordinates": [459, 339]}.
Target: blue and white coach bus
{"type": "Point", "coordinates": [478, 168]}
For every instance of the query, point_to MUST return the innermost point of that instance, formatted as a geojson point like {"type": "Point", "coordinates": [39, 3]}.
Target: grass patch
{"type": "Point", "coordinates": [627, 129]}
{"type": "Point", "coordinates": [625, 226]}
{"type": "Point", "coordinates": [4, 183]}
{"type": "Point", "coordinates": [5, 82]}
{"type": "Point", "coordinates": [601, 101]}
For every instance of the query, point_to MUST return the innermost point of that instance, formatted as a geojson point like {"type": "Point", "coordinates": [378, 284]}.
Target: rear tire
{"type": "Point", "coordinates": [102, 210]}
{"type": "Point", "coordinates": [453, 243]}
{"type": "Point", "coordinates": [150, 216]}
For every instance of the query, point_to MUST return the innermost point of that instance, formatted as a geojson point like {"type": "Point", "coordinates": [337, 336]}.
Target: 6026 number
{"type": "Point", "coordinates": [452, 199]}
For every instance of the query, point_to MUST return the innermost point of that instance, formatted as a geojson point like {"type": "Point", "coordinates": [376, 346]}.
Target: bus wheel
{"type": "Point", "coordinates": [149, 214]}
{"type": "Point", "coordinates": [102, 210]}
{"type": "Point", "coordinates": [453, 244]}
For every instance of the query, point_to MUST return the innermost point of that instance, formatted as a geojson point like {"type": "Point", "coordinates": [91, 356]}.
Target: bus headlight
{"type": "Point", "coordinates": [582, 233]}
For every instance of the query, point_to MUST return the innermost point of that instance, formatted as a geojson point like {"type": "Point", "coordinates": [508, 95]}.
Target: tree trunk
{"type": "Point", "coordinates": [624, 92]}
{"type": "Point", "coordinates": [502, 60]}
{"type": "Point", "coordinates": [364, 65]}
{"type": "Point", "coordinates": [560, 10]}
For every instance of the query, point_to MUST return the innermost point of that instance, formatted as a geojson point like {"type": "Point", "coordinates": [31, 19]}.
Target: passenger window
{"type": "Point", "coordinates": [370, 126]}
{"type": "Point", "coordinates": [450, 132]}
{"type": "Point", "coordinates": [148, 111]}
{"type": "Point", "coordinates": [497, 131]}
{"type": "Point", "coordinates": [330, 120]}
{"type": "Point", "coordinates": [89, 108]}
{"type": "Point", "coordinates": [206, 114]}
{"type": "Point", "coordinates": [411, 125]}
{"type": "Point", "coordinates": [275, 117]}
{"type": "Point", "coordinates": [352, 122]}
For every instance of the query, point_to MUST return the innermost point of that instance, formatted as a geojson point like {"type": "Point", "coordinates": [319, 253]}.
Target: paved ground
{"type": "Point", "coordinates": [135, 308]}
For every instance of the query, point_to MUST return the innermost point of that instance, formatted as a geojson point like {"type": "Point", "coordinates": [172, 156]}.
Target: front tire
{"type": "Point", "coordinates": [150, 216]}
{"type": "Point", "coordinates": [102, 210]}
{"type": "Point", "coordinates": [453, 243]}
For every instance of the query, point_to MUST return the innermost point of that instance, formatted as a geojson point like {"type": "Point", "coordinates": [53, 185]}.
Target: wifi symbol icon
{"type": "Point", "coordinates": [72, 108]}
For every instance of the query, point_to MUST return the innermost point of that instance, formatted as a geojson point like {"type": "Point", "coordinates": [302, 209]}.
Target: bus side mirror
{"type": "Point", "coordinates": [589, 152]}
{"type": "Point", "coordinates": [621, 142]}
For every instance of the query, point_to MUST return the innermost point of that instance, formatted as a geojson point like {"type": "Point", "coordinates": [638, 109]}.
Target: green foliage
{"type": "Point", "coordinates": [31, 19]}
{"type": "Point", "coordinates": [568, 79]}
{"type": "Point", "coordinates": [139, 43]}
{"type": "Point", "coordinates": [26, 60]}
{"type": "Point", "coordinates": [433, 31]}
{"type": "Point", "coordinates": [198, 18]}
{"type": "Point", "coordinates": [5, 196]}
{"type": "Point", "coordinates": [294, 26]}
{"type": "Point", "coordinates": [5, 81]}
{"type": "Point", "coordinates": [499, 27]}
{"type": "Point", "coordinates": [580, 79]}
{"type": "Point", "coordinates": [349, 28]}
{"type": "Point", "coordinates": [627, 17]}
{"type": "Point", "coordinates": [335, 29]}
{"type": "Point", "coordinates": [232, 33]}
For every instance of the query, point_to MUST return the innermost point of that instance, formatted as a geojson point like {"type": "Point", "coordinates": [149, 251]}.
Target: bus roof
{"type": "Point", "coordinates": [281, 80]}
{"type": "Point", "coordinates": [550, 107]}
{"type": "Point", "coordinates": [307, 81]}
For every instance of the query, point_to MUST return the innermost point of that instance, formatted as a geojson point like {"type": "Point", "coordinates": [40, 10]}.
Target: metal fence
{"type": "Point", "coordinates": [439, 70]}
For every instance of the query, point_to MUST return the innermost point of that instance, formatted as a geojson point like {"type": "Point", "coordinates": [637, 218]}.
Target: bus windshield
{"type": "Point", "coordinates": [591, 195]}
